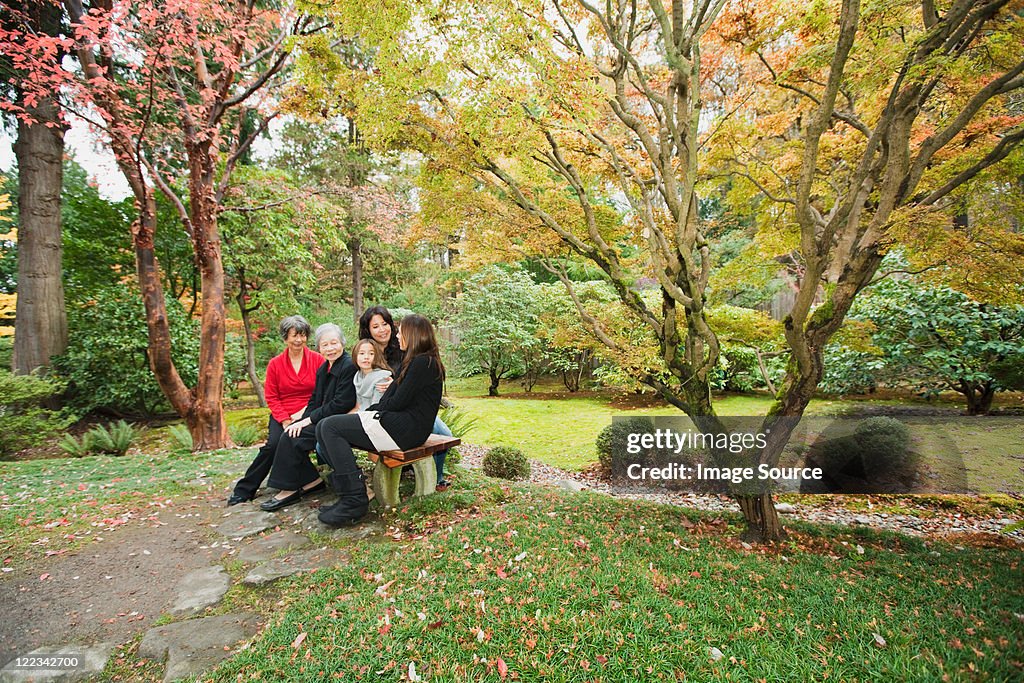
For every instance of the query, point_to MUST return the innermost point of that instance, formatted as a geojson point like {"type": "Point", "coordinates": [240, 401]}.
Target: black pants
{"type": "Point", "coordinates": [292, 468]}
{"type": "Point", "coordinates": [337, 435]}
{"type": "Point", "coordinates": [260, 467]}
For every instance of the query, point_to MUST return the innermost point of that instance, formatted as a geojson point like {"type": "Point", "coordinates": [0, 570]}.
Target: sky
{"type": "Point", "coordinates": [98, 160]}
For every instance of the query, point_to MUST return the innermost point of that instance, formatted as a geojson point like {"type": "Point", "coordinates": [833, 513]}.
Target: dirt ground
{"type": "Point", "coordinates": [109, 589]}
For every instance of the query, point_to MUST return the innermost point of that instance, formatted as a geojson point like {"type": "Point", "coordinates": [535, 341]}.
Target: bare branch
{"type": "Point", "coordinates": [258, 82]}
{"type": "Point", "coordinates": [172, 196]}
{"type": "Point", "coordinates": [242, 148]}
{"type": "Point", "coordinates": [1006, 144]}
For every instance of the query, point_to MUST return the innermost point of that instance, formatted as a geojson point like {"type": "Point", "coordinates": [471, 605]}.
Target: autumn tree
{"type": "Point", "coordinates": [330, 159]}
{"type": "Point", "coordinates": [171, 87]}
{"type": "Point", "coordinates": [594, 122]}
{"type": "Point", "coordinates": [41, 320]}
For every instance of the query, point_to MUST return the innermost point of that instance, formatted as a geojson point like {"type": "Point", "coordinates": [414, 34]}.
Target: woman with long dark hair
{"type": "Point", "coordinates": [376, 323]}
{"type": "Point", "coordinates": [401, 420]}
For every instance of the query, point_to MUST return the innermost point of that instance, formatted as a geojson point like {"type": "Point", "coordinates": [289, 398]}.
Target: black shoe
{"type": "Point", "coordinates": [278, 503]}
{"type": "Point", "coordinates": [352, 504]}
{"type": "Point", "coordinates": [322, 486]}
{"type": "Point", "coordinates": [235, 499]}
{"type": "Point", "coordinates": [337, 517]}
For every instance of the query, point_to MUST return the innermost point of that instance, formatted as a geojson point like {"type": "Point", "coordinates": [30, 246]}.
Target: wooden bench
{"type": "Point", "coordinates": [388, 471]}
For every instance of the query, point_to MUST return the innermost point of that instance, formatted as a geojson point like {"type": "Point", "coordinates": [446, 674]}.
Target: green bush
{"type": "Point", "coordinates": [24, 419]}
{"type": "Point", "coordinates": [884, 443]}
{"type": "Point", "coordinates": [114, 439]}
{"type": "Point", "coordinates": [848, 371]}
{"type": "Point", "coordinates": [737, 370]}
{"type": "Point", "coordinates": [505, 462]}
{"type": "Point", "coordinates": [612, 443]}
{"type": "Point", "coordinates": [244, 434]}
{"type": "Point", "coordinates": [106, 364]}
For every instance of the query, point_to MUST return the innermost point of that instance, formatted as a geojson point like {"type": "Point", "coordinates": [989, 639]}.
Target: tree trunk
{"type": "Point", "coordinates": [250, 347]}
{"type": "Point", "coordinates": [763, 523]}
{"type": "Point", "coordinates": [206, 418]}
{"type": "Point", "coordinates": [40, 327]}
{"type": "Point", "coordinates": [979, 397]}
{"type": "Point", "coordinates": [355, 248]}
{"type": "Point", "coordinates": [495, 378]}
{"type": "Point", "coordinates": [159, 348]}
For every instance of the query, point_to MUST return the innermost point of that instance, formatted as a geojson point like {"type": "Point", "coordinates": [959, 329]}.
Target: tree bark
{"type": "Point", "coordinates": [763, 523]}
{"type": "Point", "coordinates": [206, 417]}
{"type": "Point", "coordinates": [40, 328]}
{"type": "Point", "coordinates": [979, 397]}
{"type": "Point", "coordinates": [495, 379]}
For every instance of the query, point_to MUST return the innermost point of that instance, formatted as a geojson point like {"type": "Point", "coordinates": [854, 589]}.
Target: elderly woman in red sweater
{"type": "Point", "coordinates": [291, 377]}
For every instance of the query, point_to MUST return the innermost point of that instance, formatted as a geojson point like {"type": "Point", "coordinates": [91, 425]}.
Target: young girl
{"type": "Point", "coordinates": [373, 369]}
{"type": "Point", "coordinates": [401, 420]}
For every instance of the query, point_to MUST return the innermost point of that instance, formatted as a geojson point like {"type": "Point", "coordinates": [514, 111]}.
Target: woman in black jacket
{"type": "Point", "coordinates": [401, 420]}
{"type": "Point", "coordinates": [376, 323]}
{"type": "Point", "coordinates": [334, 393]}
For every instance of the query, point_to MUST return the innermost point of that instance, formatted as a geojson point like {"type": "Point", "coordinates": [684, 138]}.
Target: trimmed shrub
{"type": "Point", "coordinates": [613, 440]}
{"type": "Point", "coordinates": [505, 462]}
{"type": "Point", "coordinates": [884, 443]}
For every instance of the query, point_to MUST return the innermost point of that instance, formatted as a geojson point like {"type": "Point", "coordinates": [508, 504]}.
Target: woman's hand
{"type": "Point", "coordinates": [383, 385]}
{"type": "Point", "coordinates": [294, 428]}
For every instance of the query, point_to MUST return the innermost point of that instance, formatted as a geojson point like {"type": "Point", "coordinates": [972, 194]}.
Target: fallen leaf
{"type": "Point", "coordinates": [715, 653]}
{"type": "Point", "coordinates": [44, 577]}
{"type": "Point", "coordinates": [298, 640]}
{"type": "Point", "coordinates": [502, 668]}
{"type": "Point", "coordinates": [413, 676]}
{"type": "Point", "coordinates": [879, 640]}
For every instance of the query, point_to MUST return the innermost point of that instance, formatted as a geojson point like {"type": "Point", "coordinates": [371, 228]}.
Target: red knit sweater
{"type": "Point", "coordinates": [287, 391]}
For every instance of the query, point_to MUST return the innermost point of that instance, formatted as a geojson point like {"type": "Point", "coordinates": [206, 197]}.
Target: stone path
{"type": "Point", "coordinates": [271, 545]}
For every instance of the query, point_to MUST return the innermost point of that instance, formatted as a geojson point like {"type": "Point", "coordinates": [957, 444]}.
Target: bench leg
{"type": "Point", "coordinates": [426, 476]}
{"type": "Point", "coordinates": [385, 484]}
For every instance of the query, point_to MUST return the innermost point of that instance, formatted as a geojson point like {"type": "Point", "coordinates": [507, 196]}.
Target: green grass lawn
{"type": "Point", "coordinates": [528, 584]}
{"type": "Point", "coordinates": [561, 432]}
{"type": "Point", "coordinates": [560, 429]}
{"type": "Point", "coordinates": [547, 585]}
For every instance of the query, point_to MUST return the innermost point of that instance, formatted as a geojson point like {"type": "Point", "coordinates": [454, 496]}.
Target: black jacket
{"type": "Point", "coordinates": [407, 409]}
{"type": "Point", "coordinates": [334, 392]}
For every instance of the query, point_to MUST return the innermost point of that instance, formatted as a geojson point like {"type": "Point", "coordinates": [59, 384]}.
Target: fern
{"type": "Point", "coordinates": [181, 436]}
{"type": "Point", "coordinates": [114, 439]}
{"type": "Point", "coordinates": [458, 420]}
{"type": "Point", "coordinates": [76, 448]}
{"type": "Point", "coordinates": [246, 434]}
